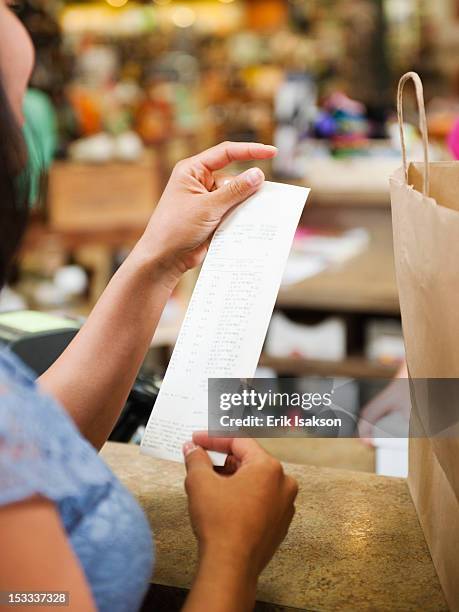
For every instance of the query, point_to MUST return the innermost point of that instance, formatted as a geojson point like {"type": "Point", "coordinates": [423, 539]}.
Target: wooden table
{"type": "Point", "coordinates": [365, 283]}
{"type": "Point", "coordinates": [362, 288]}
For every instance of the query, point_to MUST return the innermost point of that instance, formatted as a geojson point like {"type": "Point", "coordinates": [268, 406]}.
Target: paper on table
{"type": "Point", "coordinates": [226, 322]}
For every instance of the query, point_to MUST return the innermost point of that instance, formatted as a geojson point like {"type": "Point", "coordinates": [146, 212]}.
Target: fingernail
{"type": "Point", "coordinates": [188, 448]}
{"type": "Point", "coordinates": [254, 177]}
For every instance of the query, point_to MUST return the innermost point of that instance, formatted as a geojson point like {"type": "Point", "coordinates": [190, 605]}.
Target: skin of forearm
{"type": "Point", "coordinates": [93, 376]}
{"type": "Point", "coordinates": [222, 586]}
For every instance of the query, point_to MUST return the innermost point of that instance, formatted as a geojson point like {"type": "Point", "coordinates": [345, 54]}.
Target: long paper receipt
{"type": "Point", "coordinates": [228, 316]}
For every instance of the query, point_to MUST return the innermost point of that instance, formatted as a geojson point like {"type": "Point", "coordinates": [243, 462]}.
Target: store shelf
{"type": "Point", "coordinates": [39, 233]}
{"type": "Point", "coordinates": [352, 367]}
{"type": "Point", "coordinates": [358, 198]}
{"type": "Point", "coordinates": [359, 182]}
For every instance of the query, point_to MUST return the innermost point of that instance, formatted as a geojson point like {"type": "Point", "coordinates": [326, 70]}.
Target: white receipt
{"type": "Point", "coordinates": [229, 312]}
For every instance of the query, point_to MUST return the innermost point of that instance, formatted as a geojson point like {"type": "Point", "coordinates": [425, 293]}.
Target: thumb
{"type": "Point", "coordinates": [196, 458]}
{"type": "Point", "coordinates": [237, 189]}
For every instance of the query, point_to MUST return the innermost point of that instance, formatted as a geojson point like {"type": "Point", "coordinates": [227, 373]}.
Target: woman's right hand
{"type": "Point", "coordinates": [239, 519]}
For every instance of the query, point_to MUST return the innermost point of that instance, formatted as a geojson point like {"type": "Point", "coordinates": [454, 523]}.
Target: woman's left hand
{"type": "Point", "coordinates": [92, 378]}
{"type": "Point", "coordinates": [195, 201]}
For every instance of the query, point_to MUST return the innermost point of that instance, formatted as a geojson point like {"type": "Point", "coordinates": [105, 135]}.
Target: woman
{"type": "Point", "coordinates": [66, 523]}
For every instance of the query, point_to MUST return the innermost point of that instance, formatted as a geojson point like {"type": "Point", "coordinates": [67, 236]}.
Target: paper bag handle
{"type": "Point", "coordinates": [422, 125]}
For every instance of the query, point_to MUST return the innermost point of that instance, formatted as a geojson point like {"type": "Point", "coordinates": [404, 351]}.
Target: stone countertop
{"type": "Point", "coordinates": [342, 453]}
{"type": "Point", "coordinates": [355, 542]}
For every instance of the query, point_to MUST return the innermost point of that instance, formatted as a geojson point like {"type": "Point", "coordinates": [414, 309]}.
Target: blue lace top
{"type": "Point", "coordinates": [42, 453]}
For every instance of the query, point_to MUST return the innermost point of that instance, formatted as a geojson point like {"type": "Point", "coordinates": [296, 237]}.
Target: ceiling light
{"type": "Point", "coordinates": [117, 3]}
{"type": "Point", "coordinates": [183, 16]}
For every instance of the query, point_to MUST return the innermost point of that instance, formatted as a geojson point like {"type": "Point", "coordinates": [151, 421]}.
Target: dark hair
{"type": "Point", "coordinates": [14, 192]}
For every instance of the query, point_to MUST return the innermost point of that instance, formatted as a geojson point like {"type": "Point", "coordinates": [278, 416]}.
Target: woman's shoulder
{"type": "Point", "coordinates": [41, 450]}
{"type": "Point", "coordinates": [24, 408]}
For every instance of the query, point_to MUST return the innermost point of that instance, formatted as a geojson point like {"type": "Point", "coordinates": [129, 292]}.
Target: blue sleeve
{"type": "Point", "coordinates": [41, 451]}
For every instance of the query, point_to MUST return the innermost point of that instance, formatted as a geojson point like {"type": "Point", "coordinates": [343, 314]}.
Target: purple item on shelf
{"type": "Point", "coordinates": [453, 140]}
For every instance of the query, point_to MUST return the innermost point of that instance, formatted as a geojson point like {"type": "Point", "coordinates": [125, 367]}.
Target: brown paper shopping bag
{"type": "Point", "coordinates": [425, 217]}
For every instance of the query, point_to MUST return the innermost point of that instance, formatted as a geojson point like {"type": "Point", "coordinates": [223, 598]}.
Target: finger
{"type": "Point", "coordinates": [365, 432]}
{"type": "Point", "coordinates": [220, 445]}
{"type": "Point", "coordinates": [376, 409]}
{"type": "Point", "coordinates": [230, 467]}
{"type": "Point", "coordinates": [364, 425]}
{"type": "Point", "coordinates": [369, 417]}
{"type": "Point", "coordinates": [223, 154]}
{"type": "Point", "coordinates": [221, 179]}
{"type": "Point", "coordinates": [236, 190]}
{"type": "Point", "coordinates": [196, 459]}
{"type": "Point", "coordinates": [290, 516]}
{"type": "Point", "coordinates": [243, 449]}
{"type": "Point", "coordinates": [368, 442]}
{"type": "Point", "coordinates": [292, 488]}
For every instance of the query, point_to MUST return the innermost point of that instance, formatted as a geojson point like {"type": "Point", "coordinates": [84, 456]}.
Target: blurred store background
{"type": "Point", "coordinates": [123, 89]}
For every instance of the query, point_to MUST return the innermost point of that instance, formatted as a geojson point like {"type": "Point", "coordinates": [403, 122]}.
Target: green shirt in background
{"type": "Point", "coordinates": [40, 132]}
